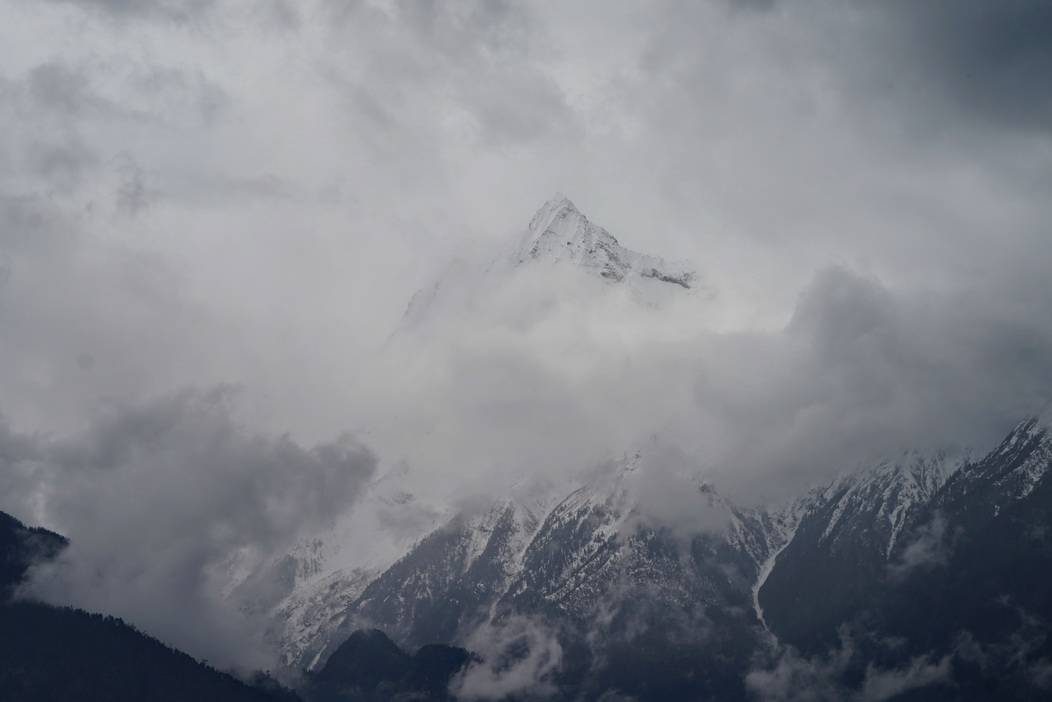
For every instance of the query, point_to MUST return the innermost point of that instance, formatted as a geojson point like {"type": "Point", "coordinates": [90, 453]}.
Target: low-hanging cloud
{"type": "Point", "coordinates": [929, 548]}
{"type": "Point", "coordinates": [795, 678]}
{"type": "Point", "coordinates": [861, 371]}
{"type": "Point", "coordinates": [521, 656]}
{"type": "Point", "coordinates": [165, 503]}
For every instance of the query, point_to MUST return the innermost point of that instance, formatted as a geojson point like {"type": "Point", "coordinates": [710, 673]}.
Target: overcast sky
{"type": "Point", "coordinates": [207, 199]}
{"type": "Point", "coordinates": [209, 191]}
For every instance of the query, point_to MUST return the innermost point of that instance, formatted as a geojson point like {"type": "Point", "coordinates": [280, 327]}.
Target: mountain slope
{"type": "Point", "coordinates": [20, 547]}
{"type": "Point", "coordinates": [306, 592]}
{"type": "Point", "coordinates": [922, 563]}
{"type": "Point", "coordinates": [606, 577]}
{"type": "Point", "coordinates": [978, 558]}
{"type": "Point", "coordinates": [446, 583]}
{"type": "Point", "coordinates": [50, 653]}
{"type": "Point", "coordinates": [840, 551]}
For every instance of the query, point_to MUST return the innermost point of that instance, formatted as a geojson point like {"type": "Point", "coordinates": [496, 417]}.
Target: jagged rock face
{"type": "Point", "coordinates": [593, 565]}
{"type": "Point", "coordinates": [596, 553]}
{"type": "Point", "coordinates": [642, 608]}
{"type": "Point", "coordinates": [945, 560]}
{"type": "Point", "coordinates": [560, 232]}
{"type": "Point", "coordinates": [446, 583]}
{"type": "Point", "coordinates": [305, 593]}
{"type": "Point", "coordinates": [977, 559]}
{"type": "Point", "coordinates": [579, 538]}
{"type": "Point", "coordinates": [840, 551]}
{"type": "Point", "coordinates": [609, 580]}
{"type": "Point", "coordinates": [1012, 472]}
{"type": "Point", "coordinates": [304, 624]}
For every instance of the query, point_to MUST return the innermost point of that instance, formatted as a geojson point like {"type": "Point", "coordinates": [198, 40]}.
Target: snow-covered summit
{"type": "Point", "coordinates": [561, 232]}
{"type": "Point", "coordinates": [513, 275]}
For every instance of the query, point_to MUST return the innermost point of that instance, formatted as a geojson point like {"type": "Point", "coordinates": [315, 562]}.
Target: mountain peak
{"type": "Point", "coordinates": [558, 207]}
{"type": "Point", "coordinates": [558, 233]}
{"type": "Point", "coordinates": [561, 232]}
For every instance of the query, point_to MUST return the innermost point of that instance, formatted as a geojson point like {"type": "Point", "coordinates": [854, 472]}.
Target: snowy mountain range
{"type": "Point", "coordinates": [608, 578]}
{"type": "Point", "coordinates": [671, 608]}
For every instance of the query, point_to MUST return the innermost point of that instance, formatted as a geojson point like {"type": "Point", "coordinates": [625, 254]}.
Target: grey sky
{"type": "Point", "coordinates": [198, 193]}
